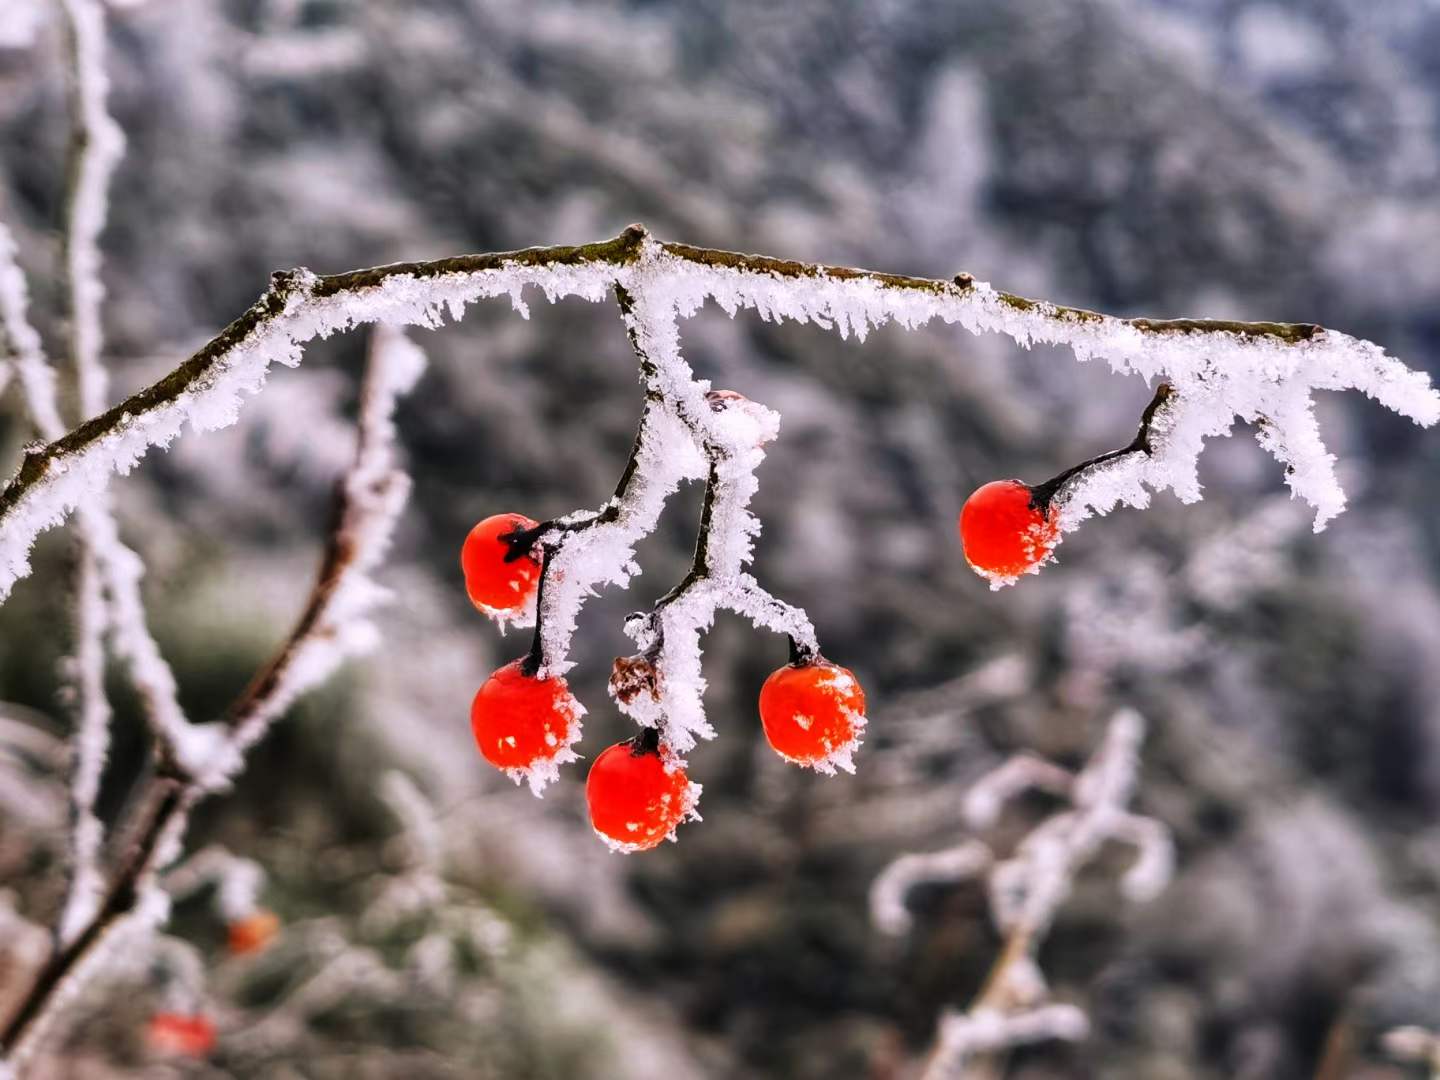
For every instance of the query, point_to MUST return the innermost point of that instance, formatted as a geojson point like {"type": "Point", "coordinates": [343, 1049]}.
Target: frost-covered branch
{"type": "Point", "coordinates": [686, 431]}
{"type": "Point", "coordinates": [332, 627]}
{"type": "Point", "coordinates": [1028, 888]}
{"type": "Point", "coordinates": [1260, 373]}
{"type": "Point", "coordinates": [89, 745]}
{"type": "Point", "coordinates": [97, 144]}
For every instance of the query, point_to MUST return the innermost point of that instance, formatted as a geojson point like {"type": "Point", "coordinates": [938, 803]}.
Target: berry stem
{"type": "Point", "coordinates": [521, 542]}
{"type": "Point", "coordinates": [799, 654]}
{"type": "Point", "coordinates": [1042, 495]}
{"type": "Point", "coordinates": [535, 658]}
{"type": "Point", "coordinates": [647, 742]}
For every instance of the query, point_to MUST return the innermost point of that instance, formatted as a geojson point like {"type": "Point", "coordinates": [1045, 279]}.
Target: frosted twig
{"type": "Point", "coordinates": [662, 687]}
{"type": "Point", "coordinates": [331, 627]}
{"type": "Point", "coordinates": [237, 881]}
{"type": "Point", "coordinates": [1023, 772]}
{"type": "Point", "coordinates": [983, 1030]}
{"type": "Point", "coordinates": [89, 747]}
{"type": "Point", "coordinates": [1262, 373]}
{"type": "Point", "coordinates": [97, 144]}
{"type": "Point", "coordinates": [889, 889]}
{"type": "Point", "coordinates": [1027, 889]}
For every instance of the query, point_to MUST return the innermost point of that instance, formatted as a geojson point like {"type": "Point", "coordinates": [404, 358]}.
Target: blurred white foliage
{"type": "Point", "coordinates": [1027, 889]}
{"type": "Point", "coordinates": [1146, 614]}
{"type": "Point", "coordinates": [1413, 1046]}
{"type": "Point", "coordinates": [20, 20]}
{"type": "Point", "coordinates": [31, 761]}
{"type": "Point", "coordinates": [420, 886]}
{"type": "Point", "coordinates": [963, 1035]}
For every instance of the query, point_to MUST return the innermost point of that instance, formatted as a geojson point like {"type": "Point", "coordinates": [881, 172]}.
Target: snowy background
{"type": "Point", "coordinates": [1190, 157]}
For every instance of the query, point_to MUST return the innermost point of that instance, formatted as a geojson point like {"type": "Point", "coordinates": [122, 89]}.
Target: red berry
{"type": "Point", "coordinates": [180, 1035]}
{"type": "Point", "coordinates": [497, 585]}
{"type": "Point", "coordinates": [525, 724]}
{"type": "Point", "coordinates": [813, 714]}
{"type": "Point", "coordinates": [252, 933]}
{"type": "Point", "coordinates": [636, 798]}
{"type": "Point", "coordinates": [1005, 536]}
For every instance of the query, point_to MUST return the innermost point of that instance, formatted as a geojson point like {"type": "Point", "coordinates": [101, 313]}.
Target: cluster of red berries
{"type": "Point", "coordinates": [637, 791]}
{"type": "Point", "coordinates": [1007, 530]}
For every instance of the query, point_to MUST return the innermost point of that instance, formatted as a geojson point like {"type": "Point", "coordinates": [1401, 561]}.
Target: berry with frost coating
{"type": "Point", "coordinates": [813, 713]}
{"type": "Point", "coordinates": [526, 725]}
{"type": "Point", "coordinates": [636, 797]}
{"type": "Point", "coordinates": [500, 579]}
{"type": "Point", "coordinates": [1004, 533]}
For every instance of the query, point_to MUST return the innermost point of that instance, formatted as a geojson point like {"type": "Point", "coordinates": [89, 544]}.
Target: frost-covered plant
{"type": "Point", "coordinates": [1208, 374]}
{"type": "Point", "coordinates": [1027, 889]}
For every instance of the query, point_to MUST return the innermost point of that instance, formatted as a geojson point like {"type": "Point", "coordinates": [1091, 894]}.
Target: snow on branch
{"type": "Point", "coordinates": [1028, 888]}
{"type": "Point", "coordinates": [1262, 373]}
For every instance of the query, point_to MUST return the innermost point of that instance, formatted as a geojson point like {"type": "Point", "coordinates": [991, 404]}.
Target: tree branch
{"type": "Point", "coordinates": [299, 305]}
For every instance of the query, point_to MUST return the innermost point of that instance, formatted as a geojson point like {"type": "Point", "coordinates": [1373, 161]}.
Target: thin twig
{"type": "Point", "coordinates": [96, 143]}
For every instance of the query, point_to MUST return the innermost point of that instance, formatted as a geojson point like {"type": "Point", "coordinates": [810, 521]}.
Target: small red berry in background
{"type": "Point", "coordinates": [1003, 535]}
{"type": "Point", "coordinates": [496, 583]}
{"type": "Point", "coordinates": [636, 798]}
{"type": "Point", "coordinates": [253, 933]}
{"type": "Point", "coordinates": [813, 713]}
{"type": "Point", "coordinates": [180, 1035]}
{"type": "Point", "coordinates": [524, 724]}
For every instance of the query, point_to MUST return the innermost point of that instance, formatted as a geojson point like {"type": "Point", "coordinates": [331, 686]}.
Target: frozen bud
{"type": "Point", "coordinates": [631, 676]}
{"type": "Point", "coordinates": [720, 400]}
{"type": "Point", "coordinates": [758, 425]}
